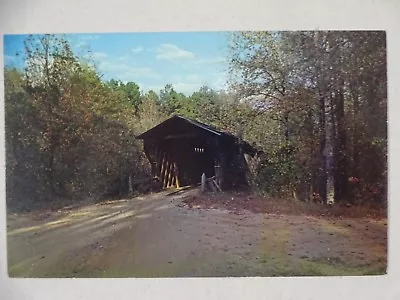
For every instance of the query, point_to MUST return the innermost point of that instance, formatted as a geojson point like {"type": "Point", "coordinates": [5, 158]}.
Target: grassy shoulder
{"type": "Point", "coordinates": [255, 203]}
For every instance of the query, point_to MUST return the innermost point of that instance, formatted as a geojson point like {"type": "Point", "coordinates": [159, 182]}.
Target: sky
{"type": "Point", "coordinates": [187, 60]}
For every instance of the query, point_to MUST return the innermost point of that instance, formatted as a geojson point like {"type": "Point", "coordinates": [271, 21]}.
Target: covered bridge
{"type": "Point", "coordinates": [180, 150]}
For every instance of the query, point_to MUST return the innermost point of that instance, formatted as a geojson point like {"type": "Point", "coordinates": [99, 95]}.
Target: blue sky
{"type": "Point", "coordinates": [187, 60]}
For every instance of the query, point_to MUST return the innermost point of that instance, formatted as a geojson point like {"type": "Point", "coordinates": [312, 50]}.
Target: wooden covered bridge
{"type": "Point", "coordinates": [180, 150]}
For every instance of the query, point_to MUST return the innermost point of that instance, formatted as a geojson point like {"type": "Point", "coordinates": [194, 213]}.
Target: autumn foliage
{"type": "Point", "coordinates": [315, 104]}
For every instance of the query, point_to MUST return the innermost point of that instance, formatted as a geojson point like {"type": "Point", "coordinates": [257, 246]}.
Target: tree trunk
{"type": "Point", "coordinates": [355, 171]}
{"type": "Point", "coordinates": [323, 132]}
{"type": "Point", "coordinates": [130, 186]}
{"type": "Point", "coordinates": [340, 148]}
{"type": "Point", "coordinates": [286, 124]}
{"type": "Point", "coordinates": [322, 177]}
{"type": "Point", "coordinates": [328, 151]}
{"type": "Point", "coordinates": [49, 169]}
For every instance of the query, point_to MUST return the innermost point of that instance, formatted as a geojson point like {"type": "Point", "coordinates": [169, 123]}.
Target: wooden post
{"type": "Point", "coordinates": [130, 188]}
{"type": "Point", "coordinates": [217, 171]}
{"type": "Point", "coordinates": [176, 175]}
{"type": "Point", "coordinates": [159, 163]}
{"type": "Point", "coordinates": [162, 167]}
{"type": "Point", "coordinates": [170, 172]}
{"type": "Point", "coordinates": [211, 184]}
{"type": "Point", "coordinates": [203, 183]}
{"type": "Point", "coordinates": [216, 185]}
{"type": "Point", "coordinates": [219, 165]}
{"type": "Point", "coordinates": [167, 168]}
{"type": "Point", "coordinates": [172, 180]}
{"type": "Point", "coordinates": [155, 162]}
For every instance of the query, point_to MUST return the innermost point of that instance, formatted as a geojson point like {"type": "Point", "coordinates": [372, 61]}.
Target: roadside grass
{"type": "Point", "coordinates": [236, 201]}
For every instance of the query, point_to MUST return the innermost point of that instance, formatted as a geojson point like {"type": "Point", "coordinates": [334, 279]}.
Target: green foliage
{"type": "Point", "coordinates": [324, 93]}
{"type": "Point", "coordinates": [129, 92]}
{"type": "Point", "coordinates": [71, 134]}
{"type": "Point", "coordinates": [68, 134]}
{"type": "Point", "coordinates": [173, 102]}
{"type": "Point", "coordinates": [150, 111]}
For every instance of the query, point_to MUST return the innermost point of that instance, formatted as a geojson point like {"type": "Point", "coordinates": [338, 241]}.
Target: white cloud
{"type": "Point", "coordinates": [219, 80]}
{"type": "Point", "coordinates": [194, 78]}
{"type": "Point", "coordinates": [137, 49]}
{"type": "Point", "coordinates": [89, 37]}
{"type": "Point", "coordinates": [154, 88]}
{"type": "Point", "coordinates": [81, 45]}
{"type": "Point", "coordinates": [186, 84]}
{"type": "Point", "coordinates": [172, 52]}
{"type": "Point", "coordinates": [125, 71]}
{"type": "Point", "coordinates": [9, 59]}
{"type": "Point", "coordinates": [141, 72]}
{"type": "Point", "coordinates": [99, 55]}
{"type": "Point", "coordinates": [123, 58]}
{"type": "Point", "coordinates": [190, 78]}
{"type": "Point", "coordinates": [220, 83]}
{"type": "Point", "coordinates": [187, 87]}
{"type": "Point", "coordinates": [215, 60]}
{"type": "Point", "coordinates": [193, 82]}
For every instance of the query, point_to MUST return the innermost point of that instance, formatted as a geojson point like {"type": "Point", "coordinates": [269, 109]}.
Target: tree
{"type": "Point", "coordinates": [308, 80]}
{"type": "Point", "coordinates": [49, 63]}
{"type": "Point", "coordinates": [174, 102]}
{"type": "Point", "coordinates": [129, 91]}
{"type": "Point", "coordinates": [75, 134]}
{"type": "Point", "coordinates": [150, 111]}
{"type": "Point", "coordinates": [23, 168]}
{"type": "Point", "coordinates": [314, 102]}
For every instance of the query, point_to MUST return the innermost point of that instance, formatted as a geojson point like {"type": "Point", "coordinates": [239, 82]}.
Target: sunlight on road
{"type": "Point", "coordinates": [119, 215]}
{"type": "Point", "coordinates": [144, 216]}
{"type": "Point", "coordinates": [74, 220]}
{"type": "Point", "coordinates": [165, 206]}
{"type": "Point", "coordinates": [53, 224]}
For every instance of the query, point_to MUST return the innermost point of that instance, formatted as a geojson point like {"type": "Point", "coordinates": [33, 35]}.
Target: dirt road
{"type": "Point", "coordinates": [157, 236]}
